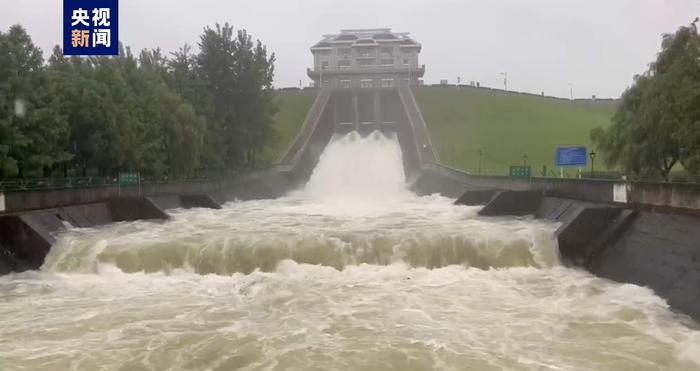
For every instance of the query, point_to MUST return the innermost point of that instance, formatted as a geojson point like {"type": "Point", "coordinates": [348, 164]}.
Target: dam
{"type": "Point", "coordinates": [350, 271]}
{"type": "Point", "coordinates": [359, 250]}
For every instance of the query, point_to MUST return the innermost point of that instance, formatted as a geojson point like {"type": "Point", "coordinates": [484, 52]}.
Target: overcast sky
{"type": "Point", "coordinates": [543, 45]}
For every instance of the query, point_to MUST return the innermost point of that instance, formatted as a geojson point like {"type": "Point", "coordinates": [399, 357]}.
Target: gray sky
{"type": "Point", "coordinates": [543, 45]}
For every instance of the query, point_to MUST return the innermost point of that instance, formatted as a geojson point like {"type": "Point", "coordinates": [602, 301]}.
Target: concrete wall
{"type": "Point", "coordinates": [43, 199]}
{"type": "Point", "coordinates": [134, 208]}
{"type": "Point", "coordinates": [516, 203]}
{"type": "Point", "coordinates": [308, 155]}
{"type": "Point", "coordinates": [417, 125]}
{"type": "Point", "coordinates": [612, 229]}
{"type": "Point", "coordinates": [436, 178]}
{"type": "Point", "coordinates": [474, 198]}
{"type": "Point", "coordinates": [311, 123]}
{"type": "Point", "coordinates": [619, 242]}
{"type": "Point", "coordinates": [301, 157]}
{"type": "Point", "coordinates": [269, 183]}
{"type": "Point", "coordinates": [660, 251]}
{"type": "Point", "coordinates": [22, 245]}
{"type": "Point", "coordinates": [681, 196]}
{"type": "Point", "coordinates": [26, 238]}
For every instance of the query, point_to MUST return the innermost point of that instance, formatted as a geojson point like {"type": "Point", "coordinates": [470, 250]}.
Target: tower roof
{"type": "Point", "coordinates": [364, 37]}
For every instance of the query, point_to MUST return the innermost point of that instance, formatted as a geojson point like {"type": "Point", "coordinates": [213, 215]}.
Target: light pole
{"type": "Point", "coordinates": [505, 80]}
{"type": "Point", "coordinates": [571, 91]}
{"type": "Point", "coordinates": [592, 156]}
{"type": "Point", "coordinates": [480, 152]}
{"type": "Point", "coordinates": [525, 160]}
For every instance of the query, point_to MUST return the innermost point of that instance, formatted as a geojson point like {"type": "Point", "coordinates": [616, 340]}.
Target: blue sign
{"type": "Point", "coordinates": [570, 156]}
{"type": "Point", "coordinates": [90, 27]}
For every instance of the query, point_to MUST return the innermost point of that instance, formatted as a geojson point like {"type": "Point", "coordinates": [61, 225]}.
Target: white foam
{"type": "Point", "coordinates": [355, 169]}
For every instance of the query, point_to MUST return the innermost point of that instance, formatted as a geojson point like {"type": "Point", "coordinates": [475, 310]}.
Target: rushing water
{"type": "Point", "coordinates": [352, 272]}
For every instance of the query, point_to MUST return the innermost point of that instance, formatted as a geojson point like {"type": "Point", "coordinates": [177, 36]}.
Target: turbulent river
{"type": "Point", "coordinates": [351, 272]}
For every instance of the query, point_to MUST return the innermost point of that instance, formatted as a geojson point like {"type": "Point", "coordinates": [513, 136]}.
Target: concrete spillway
{"type": "Point", "coordinates": [362, 110]}
{"type": "Point", "coordinates": [350, 271]}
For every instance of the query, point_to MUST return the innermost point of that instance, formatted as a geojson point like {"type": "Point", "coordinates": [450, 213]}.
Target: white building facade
{"type": "Point", "coordinates": [366, 59]}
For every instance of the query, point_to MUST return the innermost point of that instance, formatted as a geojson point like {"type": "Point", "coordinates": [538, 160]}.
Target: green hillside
{"type": "Point", "coordinates": [505, 126]}
{"type": "Point", "coordinates": [293, 107]}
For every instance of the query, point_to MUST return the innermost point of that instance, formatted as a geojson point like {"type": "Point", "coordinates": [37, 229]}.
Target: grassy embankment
{"type": "Point", "coordinates": [505, 126]}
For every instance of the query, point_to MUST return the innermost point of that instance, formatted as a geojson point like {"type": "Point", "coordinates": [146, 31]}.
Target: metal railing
{"type": "Point", "coordinates": [18, 185]}
{"type": "Point", "coordinates": [55, 183]}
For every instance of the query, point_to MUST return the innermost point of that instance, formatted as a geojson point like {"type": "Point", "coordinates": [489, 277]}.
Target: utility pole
{"type": "Point", "coordinates": [505, 80]}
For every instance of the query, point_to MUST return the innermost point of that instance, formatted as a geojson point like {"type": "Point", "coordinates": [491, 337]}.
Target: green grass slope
{"type": "Point", "coordinates": [505, 126]}
{"type": "Point", "coordinates": [293, 107]}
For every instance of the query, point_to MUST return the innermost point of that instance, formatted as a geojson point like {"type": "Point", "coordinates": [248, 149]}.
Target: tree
{"type": "Point", "coordinates": [183, 78]}
{"type": "Point", "coordinates": [657, 123]}
{"type": "Point", "coordinates": [236, 81]}
{"type": "Point", "coordinates": [215, 65]}
{"type": "Point", "coordinates": [159, 116]}
{"type": "Point", "coordinates": [255, 72]}
{"type": "Point", "coordinates": [34, 131]}
{"type": "Point", "coordinates": [8, 129]}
